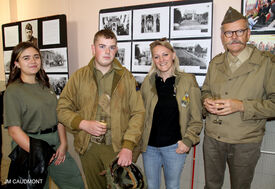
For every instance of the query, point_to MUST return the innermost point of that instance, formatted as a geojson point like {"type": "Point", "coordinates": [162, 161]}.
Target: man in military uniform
{"type": "Point", "coordinates": [29, 34]}
{"type": "Point", "coordinates": [102, 106]}
{"type": "Point", "coordinates": [243, 78]}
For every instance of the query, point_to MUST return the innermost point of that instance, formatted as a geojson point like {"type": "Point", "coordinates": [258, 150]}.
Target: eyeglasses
{"type": "Point", "coordinates": [239, 33]}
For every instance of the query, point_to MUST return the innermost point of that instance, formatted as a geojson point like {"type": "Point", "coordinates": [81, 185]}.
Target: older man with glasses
{"type": "Point", "coordinates": [244, 79]}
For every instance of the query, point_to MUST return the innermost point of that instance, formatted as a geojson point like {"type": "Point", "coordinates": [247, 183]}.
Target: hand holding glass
{"type": "Point", "coordinates": [217, 120]}
{"type": "Point", "coordinates": [103, 120]}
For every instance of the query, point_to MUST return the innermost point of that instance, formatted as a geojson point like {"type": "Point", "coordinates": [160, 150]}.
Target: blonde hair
{"type": "Point", "coordinates": [163, 42]}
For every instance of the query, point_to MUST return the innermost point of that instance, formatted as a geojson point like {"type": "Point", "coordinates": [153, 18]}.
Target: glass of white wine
{"type": "Point", "coordinates": [103, 120]}
{"type": "Point", "coordinates": [217, 120]}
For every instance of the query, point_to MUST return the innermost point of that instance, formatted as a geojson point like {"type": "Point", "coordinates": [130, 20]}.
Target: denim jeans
{"type": "Point", "coordinates": [155, 158]}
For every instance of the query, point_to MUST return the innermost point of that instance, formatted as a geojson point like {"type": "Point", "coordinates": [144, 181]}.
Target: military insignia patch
{"type": "Point", "coordinates": [185, 100]}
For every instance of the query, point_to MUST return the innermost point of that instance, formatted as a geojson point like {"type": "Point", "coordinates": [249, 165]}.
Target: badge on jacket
{"type": "Point", "coordinates": [185, 100]}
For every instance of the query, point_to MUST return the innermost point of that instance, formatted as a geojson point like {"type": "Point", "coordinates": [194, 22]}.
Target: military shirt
{"type": "Point", "coordinates": [30, 106]}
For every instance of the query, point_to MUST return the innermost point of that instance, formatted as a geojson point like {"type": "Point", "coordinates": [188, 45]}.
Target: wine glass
{"type": "Point", "coordinates": [103, 120]}
{"type": "Point", "coordinates": [217, 120]}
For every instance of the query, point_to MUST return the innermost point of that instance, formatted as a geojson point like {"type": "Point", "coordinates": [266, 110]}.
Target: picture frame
{"type": "Point", "coordinates": [260, 15]}
{"type": "Point", "coordinates": [151, 23]}
{"type": "Point", "coordinates": [139, 78]}
{"type": "Point", "coordinates": [194, 54]}
{"type": "Point", "coordinates": [7, 78]}
{"type": "Point", "coordinates": [141, 56]}
{"type": "Point", "coordinates": [29, 31]}
{"type": "Point", "coordinates": [191, 20]}
{"type": "Point", "coordinates": [7, 59]}
{"type": "Point", "coordinates": [119, 22]}
{"type": "Point", "coordinates": [53, 31]}
{"type": "Point", "coordinates": [124, 54]}
{"type": "Point", "coordinates": [11, 35]}
{"type": "Point", "coordinates": [54, 60]}
{"type": "Point", "coordinates": [264, 42]}
{"type": "Point", "coordinates": [58, 82]}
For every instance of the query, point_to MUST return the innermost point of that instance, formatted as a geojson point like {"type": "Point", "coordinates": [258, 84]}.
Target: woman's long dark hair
{"type": "Point", "coordinates": [15, 72]}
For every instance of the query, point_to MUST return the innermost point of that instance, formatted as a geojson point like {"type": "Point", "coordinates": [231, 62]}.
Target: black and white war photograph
{"type": "Point", "coordinates": [124, 54]}
{"type": "Point", "coordinates": [7, 60]}
{"type": "Point", "coordinates": [141, 56]}
{"type": "Point", "coordinates": [151, 23]}
{"type": "Point", "coordinates": [194, 55]}
{"type": "Point", "coordinates": [260, 14]}
{"type": "Point", "coordinates": [191, 20]}
{"type": "Point", "coordinates": [139, 78]}
{"type": "Point", "coordinates": [55, 60]}
{"type": "Point", "coordinates": [118, 22]}
{"type": "Point", "coordinates": [30, 31]}
{"type": "Point", "coordinates": [58, 82]}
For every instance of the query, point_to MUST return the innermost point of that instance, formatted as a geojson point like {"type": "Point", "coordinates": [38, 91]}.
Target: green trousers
{"type": "Point", "coordinates": [96, 159]}
{"type": "Point", "coordinates": [65, 175]}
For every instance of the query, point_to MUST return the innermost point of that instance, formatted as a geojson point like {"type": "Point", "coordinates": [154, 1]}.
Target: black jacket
{"type": "Point", "coordinates": [29, 170]}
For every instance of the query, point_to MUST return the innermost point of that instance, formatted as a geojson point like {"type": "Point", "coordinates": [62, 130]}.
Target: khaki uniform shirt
{"type": "Point", "coordinates": [254, 84]}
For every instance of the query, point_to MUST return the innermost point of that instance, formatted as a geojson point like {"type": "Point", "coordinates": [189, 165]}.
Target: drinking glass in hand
{"type": "Point", "coordinates": [217, 120]}
{"type": "Point", "coordinates": [101, 139]}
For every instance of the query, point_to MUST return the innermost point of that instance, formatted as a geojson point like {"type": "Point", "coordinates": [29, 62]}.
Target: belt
{"type": "Point", "coordinates": [46, 131]}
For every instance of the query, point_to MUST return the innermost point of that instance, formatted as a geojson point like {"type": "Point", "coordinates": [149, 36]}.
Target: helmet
{"type": "Point", "coordinates": [128, 177]}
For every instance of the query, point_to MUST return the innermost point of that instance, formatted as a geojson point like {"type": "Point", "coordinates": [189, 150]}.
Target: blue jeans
{"type": "Point", "coordinates": [153, 160]}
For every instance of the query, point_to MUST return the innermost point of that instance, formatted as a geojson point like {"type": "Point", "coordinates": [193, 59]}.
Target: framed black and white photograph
{"type": "Point", "coordinates": [7, 59]}
{"type": "Point", "coordinates": [260, 14]}
{"type": "Point", "coordinates": [124, 54]}
{"type": "Point", "coordinates": [55, 60]}
{"type": "Point", "coordinates": [29, 31]}
{"type": "Point", "coordinates": [139, 78]}
{"type": "Point", "coordinates": [151, 23]}
{"type": "Point", "coordinates": [7, 78]}
{"type": "Point", "coordinates": [191, 20]}
{"type": "Point", "coordinates": [263, 42]}
{"type": "Point", "coordinates": [141, 56]}
{"type": "Point", "coordinates": [58, 82]}
{"type": "Point", "coordinates": [119, 22]}
{"type": "Point", "coordinates": [194, 55]}
{"type": "Point", "coordinates": [11, 35]}
{"type": "Point", "coordinates": [200, 79]}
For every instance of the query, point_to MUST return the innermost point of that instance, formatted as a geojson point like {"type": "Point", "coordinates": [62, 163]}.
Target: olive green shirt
{"type": "Point", "coordinates": [29, 106]}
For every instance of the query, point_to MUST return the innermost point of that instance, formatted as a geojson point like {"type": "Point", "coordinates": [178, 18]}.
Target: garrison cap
{"type": "Point", "coordinates": [232, 15]}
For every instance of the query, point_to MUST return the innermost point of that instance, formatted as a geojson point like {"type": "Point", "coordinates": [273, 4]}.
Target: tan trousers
{"type": "Point", "coordinates": [95, 160]}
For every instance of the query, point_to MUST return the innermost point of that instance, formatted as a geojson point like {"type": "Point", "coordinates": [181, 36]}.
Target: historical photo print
{"type": "Point", "coordinates": [194, 55]}
{"type": "Point", "coordinates": [263, 42]}
{"type": "Point", "coordinates": [124, 54]}
{"type": "Point", "coordinates": [11, 36]}
{"type": "Point", "coordinates": [141, 56]}
{"type": "Point", "coordinates": [58, 82]}
{"type": "Point", "coordinates": [7, 60]}
{"type": "Point", "coordinates": [260, 14]}
{"type": "Point", "coordinates": [118, 22]}
{"type": "Point", "coordinates": [55, 60]}
{"type": "Point", "coordinates": [139, 78]}
{"type": "Point", "coordinates": [151, 23]}
{"type": "Point", "coordinates": [194, 20]}
{"type": "Point", "coordinates": [29, 31]}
